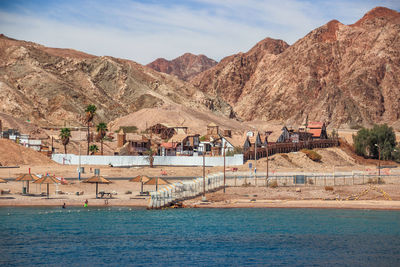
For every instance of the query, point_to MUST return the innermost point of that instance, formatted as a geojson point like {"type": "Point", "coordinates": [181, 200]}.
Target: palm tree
{"type": "Point", "coordinates": [150, 156]}
{"type": "Point", "coordinates": [90, 111]}
{"type": "Point", "coordinates": [101, 129]}
{"type": "Point", "coordinates": [65, 134]}
{"type": "Point", "coordinates": [93, 149]}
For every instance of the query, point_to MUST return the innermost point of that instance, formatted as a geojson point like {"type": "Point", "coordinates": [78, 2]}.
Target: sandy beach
{"type": "Point", "coordinates": [126, 193]}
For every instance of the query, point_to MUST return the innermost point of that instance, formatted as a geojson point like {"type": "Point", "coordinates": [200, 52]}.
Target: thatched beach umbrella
{"type": "Point", "coordinates": [156, 181]}
{"type": "Point", "coordinates": [47, 180]}
{"type": "Point", "coordinates": [27, 177]}
{"type": "Point", "coordinates": [140, 179]}
{"type": "Point", "coordinates": [97, 179]}
{"type": "Point", "coordinates": [3, 181]}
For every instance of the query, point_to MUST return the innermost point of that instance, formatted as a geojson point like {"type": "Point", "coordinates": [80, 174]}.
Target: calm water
{"type": "Point", "coordinates": [205, 237]}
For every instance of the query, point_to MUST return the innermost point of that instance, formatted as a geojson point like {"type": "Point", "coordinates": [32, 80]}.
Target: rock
{"type": "Point", "coordinates": [298, 189]}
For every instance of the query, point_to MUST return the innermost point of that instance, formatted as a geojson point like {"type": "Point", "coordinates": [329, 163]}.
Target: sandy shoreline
{"type": "Point", "coordinates": [307, 204]}
{"type": "Point", "coordinates": [383, 196]}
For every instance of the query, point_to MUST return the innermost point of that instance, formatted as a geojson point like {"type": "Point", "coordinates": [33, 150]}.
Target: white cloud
{"type": "Point", "coordinates": [145, 31]}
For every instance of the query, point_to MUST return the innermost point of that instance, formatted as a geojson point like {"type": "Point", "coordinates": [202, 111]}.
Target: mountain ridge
{"type": "Point", "coordinates": [341, 74]}
{"type": "Point", "coordinates": [184, 67]}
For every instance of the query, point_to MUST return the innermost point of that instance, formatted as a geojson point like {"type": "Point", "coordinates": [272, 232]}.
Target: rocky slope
{"type": "Point", "coordinates": [229, 78]}
{"type": "Point", "coordinates": [184, 67]}
{"type": "Point", "coordinates": [343, 74]}
{"type": "Point", "coordinates": [53, 86]}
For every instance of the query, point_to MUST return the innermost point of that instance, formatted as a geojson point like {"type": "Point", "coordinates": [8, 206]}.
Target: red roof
{"type": "Point", "coordinates": [315, 124]}
{"type": "Point", "coordinates": [315, 132]}
{"type": "Point", "coordinates": [169, 145]}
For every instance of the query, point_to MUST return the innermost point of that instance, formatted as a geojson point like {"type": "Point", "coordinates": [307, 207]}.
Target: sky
{"type": "Point", "coordinates": [142, 30]}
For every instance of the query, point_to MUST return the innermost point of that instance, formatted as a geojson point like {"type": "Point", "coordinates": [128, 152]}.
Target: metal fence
{"type": "Point", "coordinates": [310, 179]}
{"type": "Point", "coordinates": [186, 189]}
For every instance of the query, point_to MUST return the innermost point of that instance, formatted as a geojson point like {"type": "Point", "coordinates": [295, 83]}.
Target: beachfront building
{"type": "Point", "coordinates": [23, 139]}
{"type": "Point", "coordinates": [291, 136]}
{"type": "Point", "coordinates": [166, 131]}
{"type": "Point", "coordinates": [135, 145]}
{"type": "Point", "coordinates": [317, 129]}
{"type": "Point", "coordinates": [186, 144]}
{"type": "Point", "coordinates": [168, 149]}
{"type": "Point", "coordinates": [253, 144]}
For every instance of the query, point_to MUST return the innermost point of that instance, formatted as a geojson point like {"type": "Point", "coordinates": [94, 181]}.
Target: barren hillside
{"type": "Point", "coordinates": [53, 86]}
{"type": "Point", "coordinates": [343, 74]}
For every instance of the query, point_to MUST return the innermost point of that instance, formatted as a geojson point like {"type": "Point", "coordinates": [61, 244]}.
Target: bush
{"type": "Point", "coordinates": [328, 188]}
{"type": "Point", "coordinates": [311, 154]}
{"type": "Point", "coordinates": [368, 142]}
{"type": "Point", "coordinates": [273, 184]}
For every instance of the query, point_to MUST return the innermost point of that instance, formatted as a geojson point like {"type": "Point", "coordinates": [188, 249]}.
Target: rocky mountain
{"type": "Point", "coordinates": [343, 74]}
{"type": "Point", "coordinates": [184, 67]}
{"type": "Point", "coordinates": [230, 76]}
{"type": "Point", "coordinates": [53, 86]}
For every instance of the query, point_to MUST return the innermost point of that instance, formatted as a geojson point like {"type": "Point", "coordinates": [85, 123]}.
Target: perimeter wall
{"type": "Point", "coordinates": [125, 161]}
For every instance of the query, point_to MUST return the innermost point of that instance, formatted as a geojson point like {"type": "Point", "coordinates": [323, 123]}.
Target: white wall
{"type": "Point", "coordinates": [71, 159]}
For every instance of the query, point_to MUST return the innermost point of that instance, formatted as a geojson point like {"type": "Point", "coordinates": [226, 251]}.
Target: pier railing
{"type": "Point", "coordinates": [288, 147]}
{"type": "Point", "coordinates": [183, 190]}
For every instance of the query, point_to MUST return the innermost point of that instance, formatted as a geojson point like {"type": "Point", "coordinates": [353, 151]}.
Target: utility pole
{"type": "Point", "coordinates": [224, 166]}
{"type": "Point", "coordinates": [379, 162]}
{"type": "Point", "coordinates": [255, 160]}
{"type": "Point", "coordinates": [204, 173]}
{"type": "Point", "coordinates": [79, 168]}
{"type": "Point", "coordinates": [266, 148]}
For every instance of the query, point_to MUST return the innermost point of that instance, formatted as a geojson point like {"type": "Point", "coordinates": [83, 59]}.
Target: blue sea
{"type": "Point", "coordinates": [198, 237]}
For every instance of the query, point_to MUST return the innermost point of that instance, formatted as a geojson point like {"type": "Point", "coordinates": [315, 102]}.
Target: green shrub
{"type": "Point", "coordinates": [311, 154]}
{"type": "Point", "coordinates": [368, 142]}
